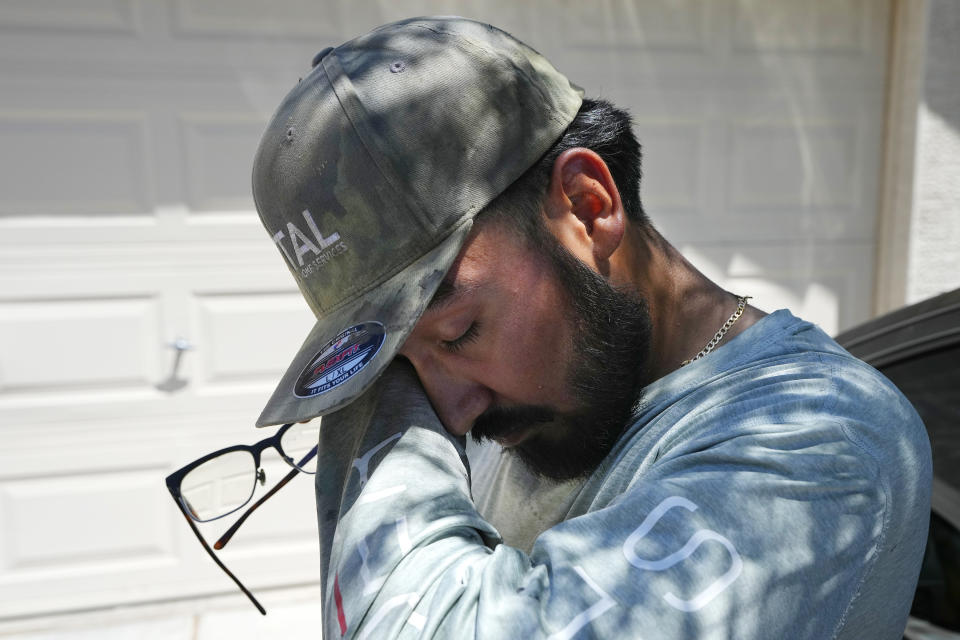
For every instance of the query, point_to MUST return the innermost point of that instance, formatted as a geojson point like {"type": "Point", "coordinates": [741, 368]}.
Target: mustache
{"type": "Point", "coordinates": [497, 422]}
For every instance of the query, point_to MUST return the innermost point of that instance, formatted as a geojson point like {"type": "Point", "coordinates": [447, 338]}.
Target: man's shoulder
{"type": "Point", "coordinates": [790, 385]}
{"type": "Point", "coordinates": [799, 368]}
{"type": "Point", "coordinates": [810, 380]}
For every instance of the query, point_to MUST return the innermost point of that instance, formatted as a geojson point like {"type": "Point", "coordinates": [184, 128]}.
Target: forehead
{"type": "Point", "coordinates": [488, 250]}
{"type": "Point", "coordinates": [492, 256]}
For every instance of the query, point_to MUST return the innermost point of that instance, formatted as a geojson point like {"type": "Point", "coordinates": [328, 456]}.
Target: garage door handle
{"type": "Point", "coordinates": [173, 381]}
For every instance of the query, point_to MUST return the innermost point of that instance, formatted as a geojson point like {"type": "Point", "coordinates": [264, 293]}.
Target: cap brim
{"type": "Point", "coordinates": [339, 373]}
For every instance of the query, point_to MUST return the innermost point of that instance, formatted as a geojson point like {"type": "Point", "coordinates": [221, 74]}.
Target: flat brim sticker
{"type": "Point", "coordinates": [340, 359]}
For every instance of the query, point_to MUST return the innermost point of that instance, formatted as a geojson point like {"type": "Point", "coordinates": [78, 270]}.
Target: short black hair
{"type": "Point", "coordinates": [599, 126]}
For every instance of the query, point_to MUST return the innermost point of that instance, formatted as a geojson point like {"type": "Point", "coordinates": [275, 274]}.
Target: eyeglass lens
{"type": "Point", "coordinates": [219, 486]}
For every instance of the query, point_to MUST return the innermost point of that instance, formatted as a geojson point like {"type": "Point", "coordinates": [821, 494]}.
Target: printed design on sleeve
{"type": "Point", "coordinates": [370, 582]}
{"type": "Point", "coordinates": [405, 600]}
{"type": "Point", "coordinates": [700, 537]}
{"type": "Point", "coordinates": [593, 612]}
{"type": "Point", "coordinates": [338, 600]}
{"type": "Point", "coordinates": [362, 464]}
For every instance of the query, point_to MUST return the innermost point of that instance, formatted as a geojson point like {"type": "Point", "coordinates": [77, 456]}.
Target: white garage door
{"type": "Point", "coordinates": [127, 129]}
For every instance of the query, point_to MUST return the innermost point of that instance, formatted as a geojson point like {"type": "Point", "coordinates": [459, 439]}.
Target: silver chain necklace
{"type": "Point", "coordinates": [732, 320]}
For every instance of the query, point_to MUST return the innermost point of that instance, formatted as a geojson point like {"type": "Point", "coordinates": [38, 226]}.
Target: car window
{"type": "Point", "coordinates": [932, 383]}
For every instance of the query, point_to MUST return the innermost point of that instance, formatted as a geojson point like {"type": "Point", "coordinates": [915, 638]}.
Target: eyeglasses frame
{"type": "Point", "coordinates": [173, 486]}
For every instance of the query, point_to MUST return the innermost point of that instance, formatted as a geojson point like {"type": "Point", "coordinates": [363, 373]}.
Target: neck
{"type": "Point", "coordinates": [686, 307]}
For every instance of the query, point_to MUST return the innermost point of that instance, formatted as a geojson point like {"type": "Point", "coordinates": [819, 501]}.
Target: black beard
{"type": "Point", "coordinates": [611, 330]}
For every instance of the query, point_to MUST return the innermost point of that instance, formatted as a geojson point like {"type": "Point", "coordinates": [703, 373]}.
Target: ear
{"type": "Point", "coordinates": [583, 207]}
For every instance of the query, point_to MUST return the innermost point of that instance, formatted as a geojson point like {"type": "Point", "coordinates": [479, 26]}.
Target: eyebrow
{"type": "Point", "coordinates": [447, 293]}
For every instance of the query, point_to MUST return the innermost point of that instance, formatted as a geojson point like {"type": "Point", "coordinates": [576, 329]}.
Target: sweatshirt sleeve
{"type": "Point", "coordinates": [405, 554]}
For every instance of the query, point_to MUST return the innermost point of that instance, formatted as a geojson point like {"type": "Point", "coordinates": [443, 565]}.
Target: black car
{"type": "Point", "coordinates": [918, 348]}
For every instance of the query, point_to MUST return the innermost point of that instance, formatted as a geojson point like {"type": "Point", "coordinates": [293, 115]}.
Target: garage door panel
{"type": "Point", "coordinates": [119, 234]}
{"type": "Point", "coordinates": [244, 18]}
{"type": "Point", "coordinates": [94, 524]}
{"type": "Point", "coordinates": [765, 167]}
{"type": "Point", "coordinates": [92, 330]}
{"type": "Point", "coordinates": [38, 512]}
{"type": "Point", "coordinates": [81, 440]}
{"type": "Point", "coordinates": [248, 337]}
{"type": "Point", "coordinates": [675, 161]}
{"type": "Point", "coordinates": [98, 16]}
{"type": "Point", "coordinates": [62, 163]}
{"type": "Point", "coordinates": [196, 36]}
{"type": "Point", "coordinates": [767, 158]}
{"type": "Point", "coordinates": [48, 347]}
{"type": "Point", "coordinates": [218, 149]}
{"type": "Point", "coordinates": [817, 27]}
{"type": "Point", "coordinates": [661, 24]}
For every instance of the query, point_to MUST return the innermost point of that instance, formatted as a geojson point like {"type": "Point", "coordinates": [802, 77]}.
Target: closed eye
{"type": "Point", "coordinates": [466, 338]}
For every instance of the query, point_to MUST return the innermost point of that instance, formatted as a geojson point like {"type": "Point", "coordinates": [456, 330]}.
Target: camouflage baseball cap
{"type": "Point", "coordinates": [370, 173]}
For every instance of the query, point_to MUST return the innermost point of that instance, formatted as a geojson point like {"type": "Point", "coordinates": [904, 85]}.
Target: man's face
{"type": "Point", "coordinates": [532, 349]}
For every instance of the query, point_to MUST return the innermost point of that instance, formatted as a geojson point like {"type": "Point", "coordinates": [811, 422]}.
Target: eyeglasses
{"type": "Point", "coordinates": [223, 482]}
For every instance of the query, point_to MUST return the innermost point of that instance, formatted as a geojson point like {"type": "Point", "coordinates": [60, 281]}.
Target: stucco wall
{"type": "Point", "coordinates": [934, 254]}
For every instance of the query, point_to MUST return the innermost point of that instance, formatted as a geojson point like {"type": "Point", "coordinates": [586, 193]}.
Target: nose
{"type": "Point", "coordinates": [457, 399]}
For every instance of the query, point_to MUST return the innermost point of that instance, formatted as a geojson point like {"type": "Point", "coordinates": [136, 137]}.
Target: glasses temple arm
{"type": "Point", "coordinates": [209, 551]}
{"type": "Point", "coordinates": [225, 538]}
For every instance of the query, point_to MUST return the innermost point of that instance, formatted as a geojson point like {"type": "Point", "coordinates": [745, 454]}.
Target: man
{"type": "Point", "coordinates": [469, 233]}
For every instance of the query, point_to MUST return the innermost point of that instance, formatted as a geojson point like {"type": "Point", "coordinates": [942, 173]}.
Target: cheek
{"type": "Point", "coordinates": [537, 346]}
